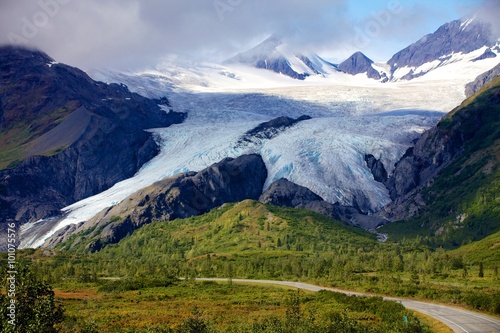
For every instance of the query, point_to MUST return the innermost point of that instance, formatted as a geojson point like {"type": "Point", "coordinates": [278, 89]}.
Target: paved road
{"type": "Point", "coordinates": [459, 320]}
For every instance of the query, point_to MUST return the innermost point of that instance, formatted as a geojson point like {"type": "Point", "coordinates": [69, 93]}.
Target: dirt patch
{"type": "Point", "coordinates": [77, 294]}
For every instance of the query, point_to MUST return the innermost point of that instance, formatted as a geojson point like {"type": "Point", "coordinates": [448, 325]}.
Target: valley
{"type": "Point", "coordinates": [273, 191]}
{"type": "Point", "coordinates": [348, 122]}
{"type": "Point", "coordinates": [135, 282]}
{"type": "Point", "coordinates": [352, 116]}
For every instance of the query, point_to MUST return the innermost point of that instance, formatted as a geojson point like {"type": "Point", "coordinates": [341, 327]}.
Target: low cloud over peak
{"type": "Point", "coordinates": [132, 34]}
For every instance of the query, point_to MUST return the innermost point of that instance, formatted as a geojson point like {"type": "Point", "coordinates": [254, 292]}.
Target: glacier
{"type": "Point", "coordinates": [351, 116]}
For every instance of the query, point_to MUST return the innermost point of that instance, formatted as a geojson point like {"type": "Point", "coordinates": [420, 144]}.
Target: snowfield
{"type": "Point", "coordinates": [352, 116]}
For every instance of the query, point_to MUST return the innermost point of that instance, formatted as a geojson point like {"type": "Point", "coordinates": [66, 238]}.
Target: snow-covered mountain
{"type": "Point", "coordinates": [465, 40]}
{"type": "Point", "coordinates": [275, 55]}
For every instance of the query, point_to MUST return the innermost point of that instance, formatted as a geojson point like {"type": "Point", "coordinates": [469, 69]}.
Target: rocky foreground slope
{"type": "Point", "coordinates": [181, 196]}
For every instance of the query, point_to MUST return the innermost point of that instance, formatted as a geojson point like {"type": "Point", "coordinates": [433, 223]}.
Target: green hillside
{"type": "Point", "coordinates": [17, 139]}
{"type": "Point", "coordinates": [253, 240]}
{"type": "Point", "coordinates": [486, 251]}
{"type": "Point", "coordinates": [463, 202]}
{"type": "Point", "coordinates": [244, 228]}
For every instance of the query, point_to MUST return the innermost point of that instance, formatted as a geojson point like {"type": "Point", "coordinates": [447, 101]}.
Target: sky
{"type": "Point", "coordinates": [137, 34]}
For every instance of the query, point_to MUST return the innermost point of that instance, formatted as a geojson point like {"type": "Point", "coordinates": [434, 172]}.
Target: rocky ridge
{"type": "Point", "coordinates": [269, 129]}
{"type": "Point", "coordinates": [481, 80]}
{"type": "Point", "coordinates": [466, 133]}
{"type": "Point", "coordinates": [181, 196]}
{"type": "Point", "coordinates": [285, 193]}
{"type": "Point", "coordinates": [459, 36]}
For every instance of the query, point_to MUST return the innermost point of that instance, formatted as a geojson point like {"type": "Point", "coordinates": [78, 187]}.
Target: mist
{"type": "Point", "coordinates": [132, 34]}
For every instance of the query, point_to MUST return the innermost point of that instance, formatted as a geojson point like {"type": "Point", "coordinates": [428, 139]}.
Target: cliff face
{"type": "Point", "coordinates": [435, 149]}
{"type": "Point", "coordinates": [456, 156]}
{"type": "Point", "coordinates": [65, 137]}
{"type": "Point", "coordinates": [481, 80]}
{"type": "Point", "coordinates": [181, 196]}
{"type": "Point", "coordinates": [285, 193]}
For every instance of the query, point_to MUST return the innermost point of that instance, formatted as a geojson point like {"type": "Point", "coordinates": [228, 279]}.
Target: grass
{"type": "Point", "coordinates": [226, 307]}
{"type": "Point", "coordinates": [486, 251]}
{"type": "Point", "coordinates": [15, 140]}
{"type": "Point", "coordinates": [171, 306]}
{"type": "Point", "coordinates": [252, 240]}
{"type": "Point", "coordinates": [434, 324]}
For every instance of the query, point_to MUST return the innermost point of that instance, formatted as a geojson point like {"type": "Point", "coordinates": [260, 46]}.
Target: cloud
{"type": "Point", "coordinates": [132, 34]}
{"type": "Point", "coordinates": [121, 33]}
{"type": "Point", "coordinates": [489, 12]}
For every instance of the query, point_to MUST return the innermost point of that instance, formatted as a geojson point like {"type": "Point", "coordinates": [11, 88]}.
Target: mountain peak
{"type": "Point", "coordinates": [360, 54]}
{"type": "Point", "coordinates": [359, 63]}
{"type": "Point", "coordinates": [466, 21]}
{"type": "Point", "coordinates": [276, 55]}
{"type": "Point", "coordinates": [460, 36]}
{"type": "Point", "coordinates": [274, 39]}
{"type": "Point", "coordinates": [18, 52]}
{"type": "Point", "coordinates": [267, 49]}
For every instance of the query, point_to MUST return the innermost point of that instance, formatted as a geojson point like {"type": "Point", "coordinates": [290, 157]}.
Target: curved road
{"type": "Point", "coordinates": [459, 320]}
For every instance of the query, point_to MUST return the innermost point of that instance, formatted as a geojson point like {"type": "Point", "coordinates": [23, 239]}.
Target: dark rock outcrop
{"type": "Point", "coordinates": [270, 129]}
{"type": "Point", "coordinates": [377, 168]}
{"type": "Point", "coordinates": [486, 55]}
{"type": "Point", "coordinates": [358, 63]}
{"type": "Point", "coordinates": [85, 135]}
{"type": "Point", "coordinates": [481, 80]}
{"type": "Point", "coordinates": [280, 65]}
{"type": "Point", "coordinates": [435, 148]}
{"type": "Point", "coordinates": [181, 196]}
{"type": "Point", "coordinates": [285, 193]}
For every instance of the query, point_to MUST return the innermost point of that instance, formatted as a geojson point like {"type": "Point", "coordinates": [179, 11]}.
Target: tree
{"type": "Point", "coordinates": [415, 279]}
{"type": "Point", "coordinates": [195, 324]}
{"type": "Point", "coordinates": [293, 313]}
{"type": "Point", "coordinates": [36, 310]}
{"type": "Point", "coordinates": [230, 273]}
{"type": "Point", "coordinates": [465, 273]}
{"type": "Point", "coordinates": [481, 270]}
